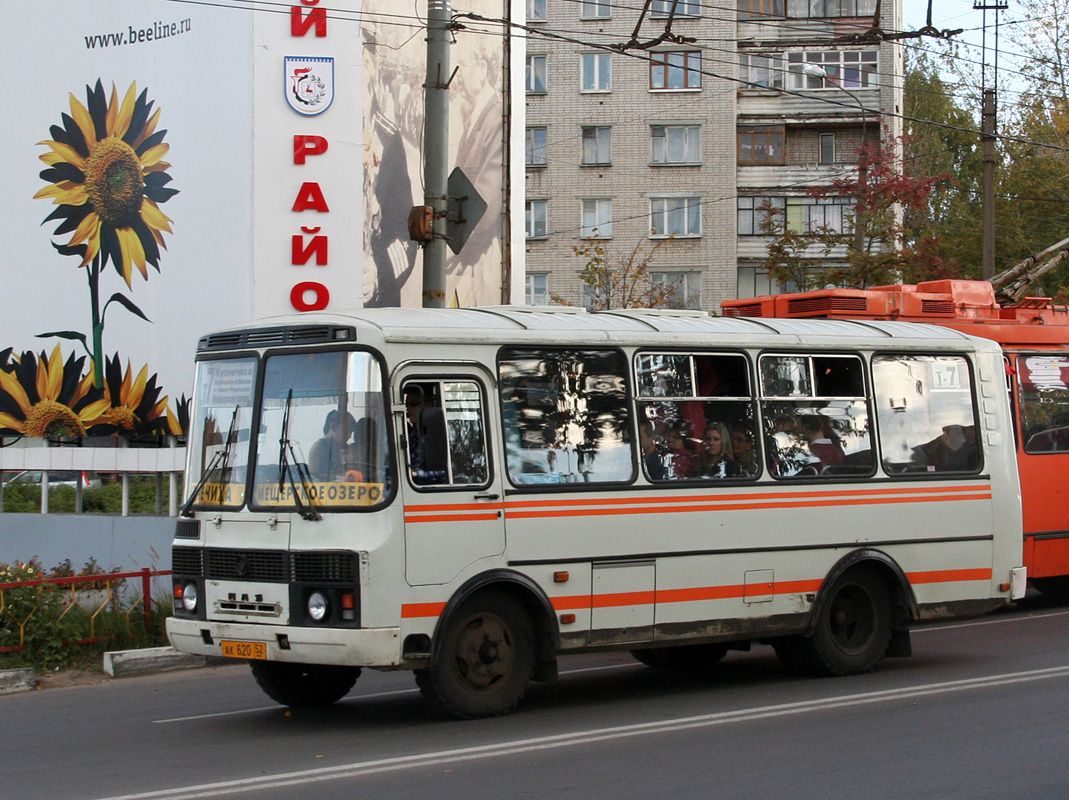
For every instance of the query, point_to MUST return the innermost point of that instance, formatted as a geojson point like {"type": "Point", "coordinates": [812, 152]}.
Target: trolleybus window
{"type": "Point", "coordinates": [565, 415]}
{"type": "Point", "coordinates": [816, 416]}
{"type": "Point", "coordinates": [695, 416]}
{"type": "Point", "coordinates": [322, 439]}
{"type": "Point", "coordinates": [219, 431]}
{"type": "Point", "coordinates": [1044, 400]}
{"type": "Point", "coordinates": [446, 433]}
{"type": "Point", "coordinates": [927, 414]}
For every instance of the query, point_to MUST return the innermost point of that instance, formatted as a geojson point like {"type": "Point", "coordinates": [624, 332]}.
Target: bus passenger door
{"type": "Point", "coordinates": [454, 513]}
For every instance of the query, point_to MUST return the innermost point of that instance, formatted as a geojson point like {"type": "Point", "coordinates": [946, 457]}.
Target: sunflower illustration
{"type": "Point", "coordinates": [45, 396]}
{"type": "Point", "coordinates": [107, 180]}
{"type": "Point", "coordinates": [136, 406]}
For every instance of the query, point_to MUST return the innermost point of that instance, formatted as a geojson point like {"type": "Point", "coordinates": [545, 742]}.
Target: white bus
{"type": "Point", "coordinates": [470, 493]}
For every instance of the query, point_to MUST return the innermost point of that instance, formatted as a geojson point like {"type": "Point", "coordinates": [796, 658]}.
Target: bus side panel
{"type": "Point", "coordinates": [1046, 513]}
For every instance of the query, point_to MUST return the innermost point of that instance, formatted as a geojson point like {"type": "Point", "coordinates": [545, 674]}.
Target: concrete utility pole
{"type": "Point", "coordinates": [988, 131]}
{"type": "Point", "coordinates": [436, 148]}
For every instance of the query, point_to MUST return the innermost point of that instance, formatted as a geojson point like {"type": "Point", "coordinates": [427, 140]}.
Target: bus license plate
{"type": "Point", "coordinates": [253, 650]}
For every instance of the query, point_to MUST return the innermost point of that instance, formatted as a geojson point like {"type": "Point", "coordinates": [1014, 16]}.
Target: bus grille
{"type": "Point", "coordinates": [324, 567]}
{"type": "Point", "coordinates": [267, 566]}
{"type": "Point", "coordinates": [187, 561]}
{"type": "Point", "coordinates": [187, 529]}
{"type": "Point", "coordinates": [247, 565]}
{"type": "Point", "coordinates": [273, 337]}
{"type": "Point", "coordinates": [823, 305]}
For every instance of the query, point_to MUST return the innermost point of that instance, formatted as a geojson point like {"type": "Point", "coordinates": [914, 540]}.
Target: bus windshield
{"type": "Point", "coordinates": [321, 442]}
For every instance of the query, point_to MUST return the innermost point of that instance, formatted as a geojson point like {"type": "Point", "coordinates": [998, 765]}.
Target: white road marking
{"type": "Point", "coordinates": [475, 753]}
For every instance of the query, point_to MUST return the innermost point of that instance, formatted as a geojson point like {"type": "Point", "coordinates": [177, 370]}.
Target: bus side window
{"type": "Point", "coordinates": [565, 415]}
{"type": "Point", "coordinates": [1044, 400]}
{"type": "Point", "coordinates": [817, 421]}
{"type": "Point", "coordinates": [927, 414]}
{"type": "Point", "coordinates": [446, 433]}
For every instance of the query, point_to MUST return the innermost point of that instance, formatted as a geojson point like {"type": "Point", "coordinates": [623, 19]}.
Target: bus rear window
{"type": "Point", "coordinates": [927, 415]}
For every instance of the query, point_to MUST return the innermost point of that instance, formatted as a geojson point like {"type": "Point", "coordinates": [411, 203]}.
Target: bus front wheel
{"type": "Point", "coordinates": [304, 685]}
{"type": "Point", "coordinates": [852, 630]}
{"type": "Point", "coordinates": [484, 659]}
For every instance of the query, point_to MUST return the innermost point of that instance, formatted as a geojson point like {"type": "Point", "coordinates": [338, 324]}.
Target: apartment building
{"type": "Point", "coordinates": [679, 144]}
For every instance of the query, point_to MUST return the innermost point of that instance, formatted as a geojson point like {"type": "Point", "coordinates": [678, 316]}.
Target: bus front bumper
{"type": "Point", "coordinates": [368, 647]}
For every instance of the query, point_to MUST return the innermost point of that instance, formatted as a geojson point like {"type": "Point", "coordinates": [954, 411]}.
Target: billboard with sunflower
{"type": "Point", "coordinates": [160, 185]}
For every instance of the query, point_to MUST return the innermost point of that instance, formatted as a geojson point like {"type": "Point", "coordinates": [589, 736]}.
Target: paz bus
{"type": "Point", "coordinates": [470, 493]}
{"type": "Point", "coordinates": [1034, 335]}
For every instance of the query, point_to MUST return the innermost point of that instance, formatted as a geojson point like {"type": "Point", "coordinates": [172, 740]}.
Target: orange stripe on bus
{"type": "Point", "coordinates": [413, 610]}
{"type": "Point", "coordinates": [454, 517]}
{"type": "Point", "coordinates": [454, 507]}
{"type": "Point", "coordinates": [783, 495]}
{"type": "Point", "coordinates": [950, 575]}
{"type": "Point", "coordinates": [752, 506]}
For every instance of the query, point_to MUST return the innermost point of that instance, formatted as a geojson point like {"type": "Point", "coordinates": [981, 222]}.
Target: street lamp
{"type": "Point", "coordinates": [817, 71]}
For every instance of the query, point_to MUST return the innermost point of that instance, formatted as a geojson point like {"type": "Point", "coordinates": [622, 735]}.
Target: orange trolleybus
{"type": "Point", "coordinates": [1034, 336]}
{"type": "Point", "coordinates": [469, 493]}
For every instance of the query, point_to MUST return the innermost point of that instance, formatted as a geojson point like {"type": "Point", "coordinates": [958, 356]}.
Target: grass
{"type": "Point", "coordinates": [22, 497]}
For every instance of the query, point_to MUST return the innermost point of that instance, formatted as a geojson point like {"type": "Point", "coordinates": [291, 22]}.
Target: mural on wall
{"type": "Point", "coordinates": [106, 177]}
{"type": "Point", "coordinates": [394, 65]}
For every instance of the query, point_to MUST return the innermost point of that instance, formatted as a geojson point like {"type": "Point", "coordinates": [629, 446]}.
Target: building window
{"type": "Point", "coordinates": [537, 289]}
{"type": "Point", "coordinates": [597, 72]}
{"type": "Point", "coordinates": [682, 8]}
{"type": "Point", "coordinates": [597, 145]}
{"type": "Point", "coordinates": [675, 144]}
{"type": "Point", "coordinates": [676, 70]}
{"type": "Point", "coordinates": [846, 69]}
{"type": "Point", "coordinates": [592, 9]}
{"type": "Point", "coordinates": [761, 216]}
{"type": "Point", "coordinates": [536, 74]}
{"type": "Point", "coordinates": [761, 70]}
{"type": "Point", "coordinates": [536, 147]}
{"type": "Point", "coordinates": [820, 214]}
{"type": "Point", "coordinates": [809, 9]}
{"type": "Point", "coordinates": [827, 148]}
{"type": "Point", "coordinates": [535, 215]}
{"type": "Point", "coordinates": [675, 216]}
{"type": "Point", "coordinates": [536, 10]}
{"type": "Point", "coordinates": [760, 144]}
{"type": "Point", "coordinates": [749, 9]}
{"type": "Point", "coordinates": [597, 219]}
{"type": "Point", "coordinates": [678, 289]}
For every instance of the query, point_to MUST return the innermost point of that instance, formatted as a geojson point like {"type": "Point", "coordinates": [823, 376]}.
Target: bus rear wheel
{"type": "Point", "coordinates": [484, 659]}
{"type": "Point", "coordinates": [852, 631]}
{"type": "Point", "coordinates": [304, 685]}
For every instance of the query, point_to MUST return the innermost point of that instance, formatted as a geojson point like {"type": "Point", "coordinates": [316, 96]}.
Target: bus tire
{"type": "Point", "coordinates": [484, 659]}
{"type": "Point", "coordinates": [852, 630]}
{"type": "Point", "coordinates": [304, 685]}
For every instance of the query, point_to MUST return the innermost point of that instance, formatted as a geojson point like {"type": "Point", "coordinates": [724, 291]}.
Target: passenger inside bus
{"type": "Point", "coordinates": [426, 436]}
{"type": "Point", "coordinates": [680, 456]}
{"type": "Point", "coordinates": [652, 455]}
{"type": "Point", "coordinates": [954, 450]}
{"type": "Point", "coordinates": [742, 447]}
{"type": "Point", "coordinates": [714, 461]}
{"type": "Point", "coordinates": [827, 452]}
{"type": "Point", "coordinates": [332, 456]}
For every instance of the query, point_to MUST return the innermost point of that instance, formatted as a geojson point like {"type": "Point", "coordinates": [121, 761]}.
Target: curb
{"type": "Point", "coordinates": [17, 680]}
{"type": "Point", "coordinates": [123, 663]}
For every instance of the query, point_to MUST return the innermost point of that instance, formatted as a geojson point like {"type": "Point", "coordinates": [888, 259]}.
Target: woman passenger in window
{"type": "Point", "coordinates": [742, 447]}
{"type": "Point", "coordinates": [714, 461]}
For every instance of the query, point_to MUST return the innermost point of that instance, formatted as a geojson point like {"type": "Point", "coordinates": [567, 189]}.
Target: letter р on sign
{"type": "Point", "coordinates": [466, 208]}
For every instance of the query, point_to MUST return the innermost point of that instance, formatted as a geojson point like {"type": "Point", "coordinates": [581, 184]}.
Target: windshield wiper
{"type": "Point", "coordinates": [286, 469]}
{"type": "Point", "coordinates": [221, 460]}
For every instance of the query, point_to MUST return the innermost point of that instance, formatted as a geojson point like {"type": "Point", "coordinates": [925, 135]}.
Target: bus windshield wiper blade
{"type": "Point", "coordinates": [221, 460]}
{"type": "Point", "coordinates": [287, 462]}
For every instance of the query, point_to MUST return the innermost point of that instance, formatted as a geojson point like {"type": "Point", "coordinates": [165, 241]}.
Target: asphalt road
{"type": "Point", "coordinates": [981, 710]}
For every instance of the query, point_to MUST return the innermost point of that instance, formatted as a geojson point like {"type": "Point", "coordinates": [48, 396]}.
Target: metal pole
{"type": "Point", "coordinates": [436, 148]}
{"type": "Point", "coordinates": [988, 129]}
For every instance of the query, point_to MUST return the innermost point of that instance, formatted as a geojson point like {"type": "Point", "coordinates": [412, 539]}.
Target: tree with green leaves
{"type": "Point", "coordinates": [623, 279]}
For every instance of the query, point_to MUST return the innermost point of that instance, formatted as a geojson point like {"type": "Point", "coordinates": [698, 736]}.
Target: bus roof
{"type": "Point", "coordinates": [550, 324]}
{"type": "Point", "coordinates": [967, 306]}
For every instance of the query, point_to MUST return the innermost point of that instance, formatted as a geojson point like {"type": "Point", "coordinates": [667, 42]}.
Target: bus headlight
{"type": "Point", "coordinates": [318, 607]}
{"type": "Point", "coordinates": [189, 597]}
